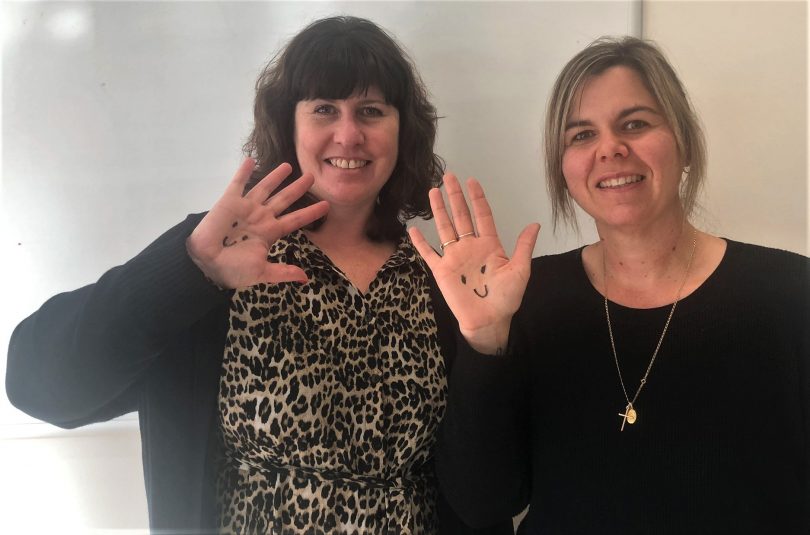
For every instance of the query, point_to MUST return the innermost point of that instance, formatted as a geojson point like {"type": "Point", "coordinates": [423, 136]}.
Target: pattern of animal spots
{"type": "Point", "coordinates": [329, 401]}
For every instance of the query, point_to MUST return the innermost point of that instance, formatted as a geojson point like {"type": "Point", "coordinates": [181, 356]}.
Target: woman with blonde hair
{"type": "Point", "coordinates": [656, 381]}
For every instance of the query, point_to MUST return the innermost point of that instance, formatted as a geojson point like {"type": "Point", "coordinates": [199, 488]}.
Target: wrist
{"type": "Point", "coordinates": [489, 339]}
{"type": "Point", "coordinates": [209, 277]}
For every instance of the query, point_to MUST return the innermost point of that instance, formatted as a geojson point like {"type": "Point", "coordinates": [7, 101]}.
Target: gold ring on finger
{"type": "Point", "coordinates": [466, 234]}
{"type": "Point", "coordinates": [448, 242]}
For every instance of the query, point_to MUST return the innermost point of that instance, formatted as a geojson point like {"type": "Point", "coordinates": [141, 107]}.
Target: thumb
{"type": "Point", "coordinates": [423, 247]}
{"type": "Point", "coordinates": [278, 272]}
{"type": "Point", "coordinates": [524, 248]}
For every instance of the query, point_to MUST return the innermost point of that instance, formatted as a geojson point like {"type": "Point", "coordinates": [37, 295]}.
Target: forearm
{"type": "Point", "coordinates": [86, 350]}
{"type": "Point", "coordinates": [482, 458]}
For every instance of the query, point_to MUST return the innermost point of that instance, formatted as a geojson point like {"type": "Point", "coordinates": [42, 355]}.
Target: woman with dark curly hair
{"type": "Point", "coordinates": [285, 350]}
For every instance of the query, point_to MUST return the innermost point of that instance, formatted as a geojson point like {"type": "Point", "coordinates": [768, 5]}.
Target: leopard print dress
{"type": "Point", "coordinates": [329, 401]}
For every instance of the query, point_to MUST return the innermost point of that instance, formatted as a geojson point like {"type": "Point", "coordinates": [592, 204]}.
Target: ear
{"type": "Point", "coordinates": [685, 161]}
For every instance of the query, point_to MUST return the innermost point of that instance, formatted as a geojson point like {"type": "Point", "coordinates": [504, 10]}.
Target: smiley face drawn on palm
{"type": "Point", "coordinates": [228, 242]}
{"type": "Point", "coordinates": [483, 293]}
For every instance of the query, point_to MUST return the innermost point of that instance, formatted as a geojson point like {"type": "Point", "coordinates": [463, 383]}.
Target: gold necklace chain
{"type": "Point", "coordinates": [630, 415]}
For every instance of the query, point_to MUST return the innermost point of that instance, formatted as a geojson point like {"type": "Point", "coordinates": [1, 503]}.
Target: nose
{"type": "Point", "coordinates": [612, 146]}
{"type": "Point", "coordinates": [349, 132]}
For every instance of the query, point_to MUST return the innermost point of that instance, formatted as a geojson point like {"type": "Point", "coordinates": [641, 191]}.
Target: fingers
{"type": "Point", "coordinates": [284, 198]}
{"type": "Point", "coordinates": [484, 220]}
{"type": "Point", "coordinates": [269, 183]}
{"type": "Point", "coordinates": [422, 246]}
{"type": "Point", "coordinates": [444, 225]}
{"type": "Point", "coordinates": [461, 223]}
{"type": "Point", "coordinates": [237, 184]}
{"type": "Point", "coordinates": [458, 206]}
{"type": "Point", "coordinates": [524, 248]}
{"type": "Point", "coordinates": [299, 218]}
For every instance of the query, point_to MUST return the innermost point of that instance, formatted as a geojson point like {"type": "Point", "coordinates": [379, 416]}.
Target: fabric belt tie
{"type": "Point", "coordinates": [399, 490]}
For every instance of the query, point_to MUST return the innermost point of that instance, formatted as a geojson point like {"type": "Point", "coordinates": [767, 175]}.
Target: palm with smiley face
{"type": "Point", "coordinates": [481, 284]}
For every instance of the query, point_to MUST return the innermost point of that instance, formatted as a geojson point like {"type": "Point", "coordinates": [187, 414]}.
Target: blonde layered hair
{"type": "Point", "coordinates": [660, 79]}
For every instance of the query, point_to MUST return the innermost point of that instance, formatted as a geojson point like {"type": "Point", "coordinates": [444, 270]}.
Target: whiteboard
{"type": "Point", "coordinates": [119, 118]}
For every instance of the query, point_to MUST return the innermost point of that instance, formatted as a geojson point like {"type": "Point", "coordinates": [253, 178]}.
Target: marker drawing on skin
{"type": "Point", "coordinates": [227, 242]}
{"type": "Point", "coordinates": [486, 290]}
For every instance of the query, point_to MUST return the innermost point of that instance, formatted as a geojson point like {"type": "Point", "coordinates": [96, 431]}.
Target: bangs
{"type": "Point", "coordinates": [343, 67]}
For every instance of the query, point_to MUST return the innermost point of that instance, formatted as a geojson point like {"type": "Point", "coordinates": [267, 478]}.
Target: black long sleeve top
{"type": "Point", "coordinates": [722, 440]}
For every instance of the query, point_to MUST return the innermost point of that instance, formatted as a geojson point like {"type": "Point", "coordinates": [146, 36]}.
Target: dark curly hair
{"type": "Point", "coordinates": [334, 58]}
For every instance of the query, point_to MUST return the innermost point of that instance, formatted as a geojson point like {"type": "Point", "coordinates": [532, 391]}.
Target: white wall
{"type": "Point", "coordinates": [56, 482]}
{"type": "Point", "coordinates": [120, 118]}
{"type": "Point", "coordinates": [745, 65]}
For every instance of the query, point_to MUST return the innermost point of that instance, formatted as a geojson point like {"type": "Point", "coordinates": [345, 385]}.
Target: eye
{"type": "Point", "coordinates": [635, 124]}
{"type": "Point", "coordinates": [582, 136]}
{"type": "Point", "coordinates": [371, 111]}
{"type": "Point", "coordinates": [323, 109]}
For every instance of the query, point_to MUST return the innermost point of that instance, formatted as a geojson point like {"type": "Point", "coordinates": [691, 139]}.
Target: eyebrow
{"type": "Point", "coordinates": [624, 113]}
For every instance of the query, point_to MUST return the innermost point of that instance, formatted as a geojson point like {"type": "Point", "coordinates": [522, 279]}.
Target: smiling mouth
{"type": "Point", "coordinates": [620, 181]}
{"type": "Point", "coordinates": [486, 291]}
{"type": "Point", "coordinates": [343, 163]}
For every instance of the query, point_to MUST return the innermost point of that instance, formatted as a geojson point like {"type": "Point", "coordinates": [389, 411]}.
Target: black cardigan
{"type": "Point", "coordinates": [149, 337]}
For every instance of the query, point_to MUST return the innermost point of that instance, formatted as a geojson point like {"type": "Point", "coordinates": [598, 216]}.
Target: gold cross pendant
{"type": "Point", "coordinates": [629, 416]}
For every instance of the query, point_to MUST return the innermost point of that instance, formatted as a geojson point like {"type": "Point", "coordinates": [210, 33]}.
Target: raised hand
{"type": "Point", "coordinates": [482, 286]}
{"type": "Point", "coordinates": [230, 244]}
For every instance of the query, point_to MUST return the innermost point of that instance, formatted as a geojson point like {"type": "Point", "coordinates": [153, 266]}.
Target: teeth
{"type": "Point", "coordinates": [621, 181]}
{"type": "Point", "coordinates": [347, 164]}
